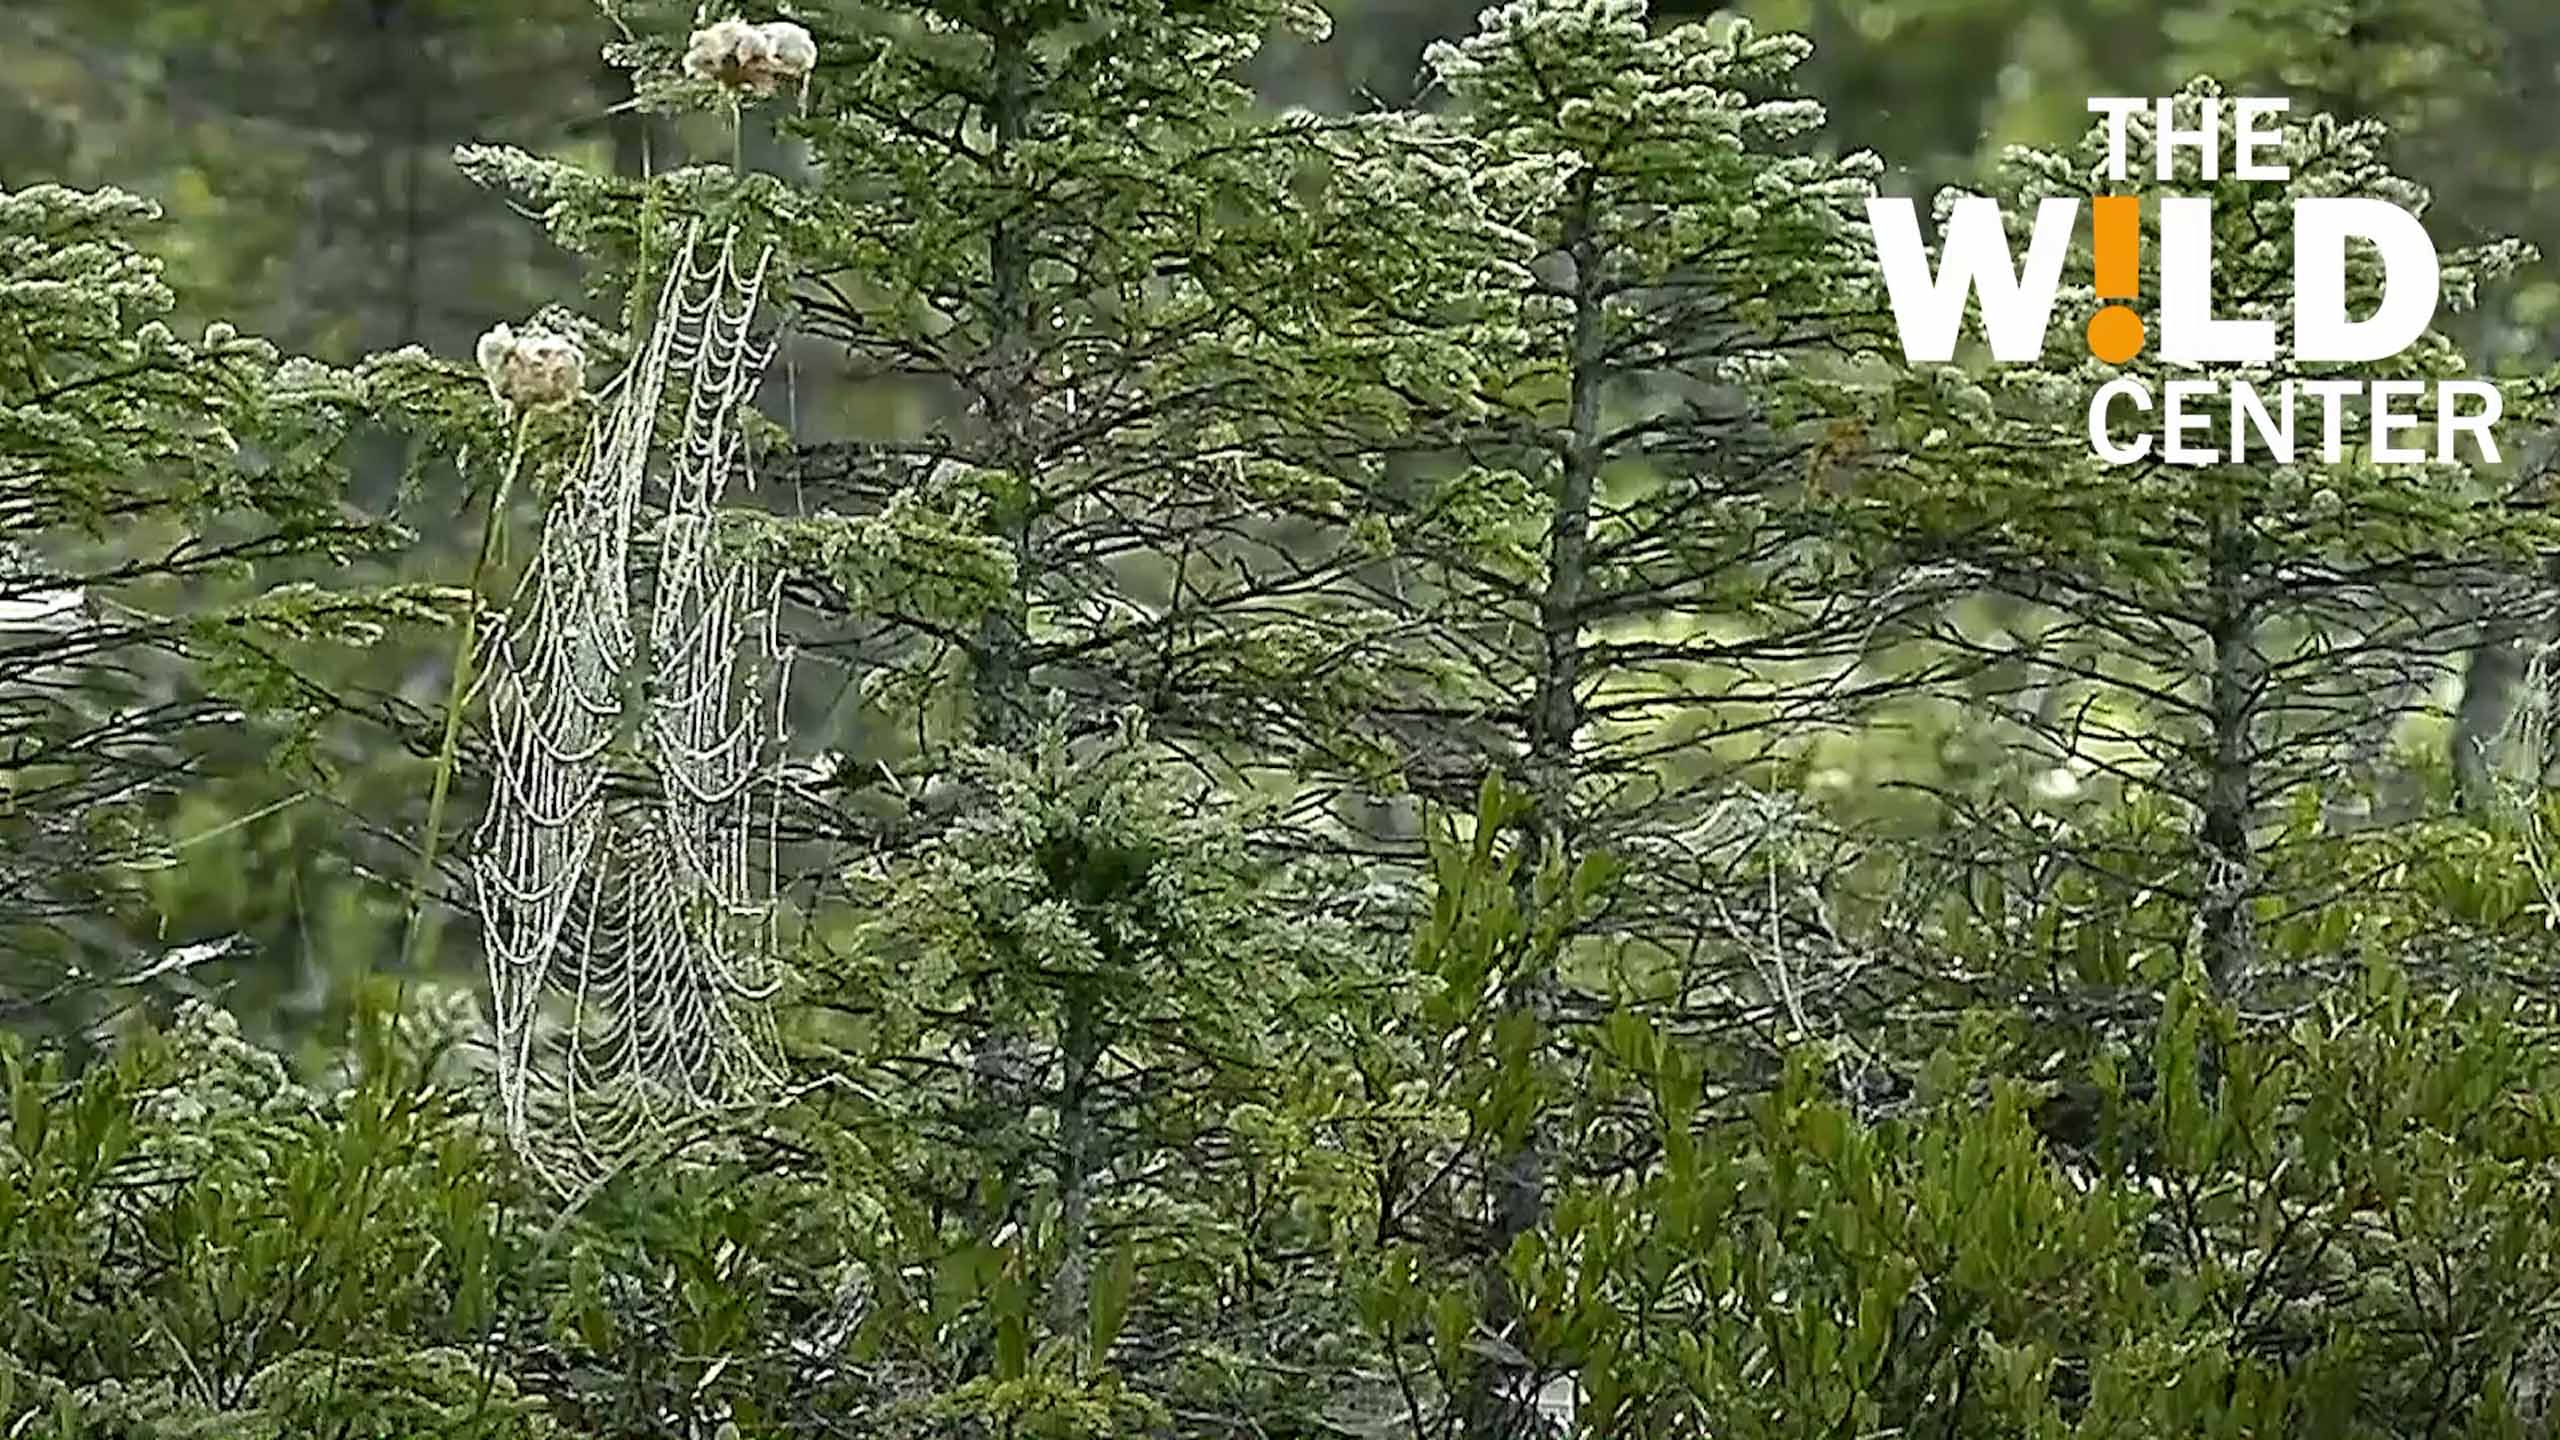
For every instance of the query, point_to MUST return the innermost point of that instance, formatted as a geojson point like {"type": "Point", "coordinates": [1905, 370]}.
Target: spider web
{"type": "Point", "coordinates": [623, 870]}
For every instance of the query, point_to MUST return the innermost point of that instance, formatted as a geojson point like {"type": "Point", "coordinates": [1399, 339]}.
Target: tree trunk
{"type": "Point", "coordinates": [1002, 683]}
{"type": "Point", "coordinates": [1081, 1045]}
{"type": "Point", "coordinates": [2492, 687]}
{"type": "Point", "coordinates": [2228, 860]}
{"type": "Point", "coordinates": [1496, 1405]}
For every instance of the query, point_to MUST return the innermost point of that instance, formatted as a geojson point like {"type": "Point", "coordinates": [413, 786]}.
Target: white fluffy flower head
{"type": "Point", "coordinates": [757, 59]}
{"type": "Point", "coordinates": [534, 370]}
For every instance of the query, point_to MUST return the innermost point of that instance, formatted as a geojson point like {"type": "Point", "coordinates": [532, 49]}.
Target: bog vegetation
{"type": "Point", "coordinates": [1011, 718]}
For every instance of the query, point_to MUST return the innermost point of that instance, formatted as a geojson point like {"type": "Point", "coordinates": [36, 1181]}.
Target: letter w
{"type": "Point", "coordinates": [1930, 309]}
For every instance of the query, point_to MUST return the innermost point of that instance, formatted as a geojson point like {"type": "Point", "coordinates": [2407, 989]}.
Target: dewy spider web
{"type": "Point", "coordinates": [623, 872]}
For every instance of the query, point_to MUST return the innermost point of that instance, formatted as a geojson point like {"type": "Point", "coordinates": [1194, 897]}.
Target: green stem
{"type": "Point", "coordinates": [420, 944]}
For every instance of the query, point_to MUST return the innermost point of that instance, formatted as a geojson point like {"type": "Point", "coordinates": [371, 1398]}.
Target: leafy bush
{"type": "Point", "coordinates": [195, 1243]}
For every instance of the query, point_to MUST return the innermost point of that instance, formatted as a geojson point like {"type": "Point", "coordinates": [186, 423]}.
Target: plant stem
{"type": "Point", "coordinates": [419, 946]}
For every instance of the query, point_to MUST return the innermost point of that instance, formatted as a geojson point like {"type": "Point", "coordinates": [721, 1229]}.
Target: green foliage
{"type": "Point", "coordinates": [1078, 1012]}
{"type": "Point", "coordinates": [1131, 340]}
{"type": "Point", "coordinates": [1338, 891]}
{"type": "Point", "coordinates": [2338, 1225]}
{"type": "Point", "coordinates": [2182, 634]}
{"type": "Point", "coordinates": [198, 1244]}
{"type": "Point", "coordinates": [156, 491]}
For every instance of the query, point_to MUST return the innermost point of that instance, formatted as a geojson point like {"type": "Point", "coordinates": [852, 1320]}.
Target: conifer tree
{"type": "Point", "coordinates": [1131, 327]}
{"type": "Point", "coordinates": [1633, 574]}
{"type": "Point", "coordinates": [1627, 569]}
{"type": "Point", "coordinates": [154, 486]}
{"type": "Point", "coordinates": [2200, 709]}
{"type": "Point", "coordinates": [2454, 83]}
{"type": "Point", "coordinates": [1145, 342]}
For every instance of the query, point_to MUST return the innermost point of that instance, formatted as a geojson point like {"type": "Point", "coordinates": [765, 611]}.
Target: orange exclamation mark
{"type": "Point", "coordinates": [2115, 333]}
